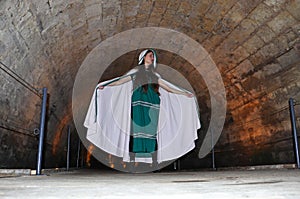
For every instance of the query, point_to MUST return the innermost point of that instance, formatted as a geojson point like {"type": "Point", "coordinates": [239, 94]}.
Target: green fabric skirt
{"type": "Point", "coordinates": [144, 120]}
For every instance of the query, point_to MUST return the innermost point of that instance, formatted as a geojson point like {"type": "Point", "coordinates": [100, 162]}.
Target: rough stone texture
{"type": "Point", "coordinates": [276, 181]}
{"type": "Point", "coordinates": [255, 45]}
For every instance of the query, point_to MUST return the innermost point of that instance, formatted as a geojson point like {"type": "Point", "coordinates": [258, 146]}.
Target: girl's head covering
{"type": "Point", "coordinates": [142, 56]}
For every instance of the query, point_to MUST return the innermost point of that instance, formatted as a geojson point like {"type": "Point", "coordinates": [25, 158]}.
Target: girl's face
{"type": "Point", "coordinates": [148, 59]}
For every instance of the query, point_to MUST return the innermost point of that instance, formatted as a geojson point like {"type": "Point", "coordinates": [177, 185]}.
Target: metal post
{"type": "Point", "coordinates": [294, 130]}
{"type": "Point", "coordinates": [78, 153]}
{"type": "Point", "coordinates": [82, 157]}
{"type": "Point", "coordinates": [41, 136]}
{"type": "Point", "coordinates": [213, 152]}
{"type": "Point", "coordinates": [68, 149]}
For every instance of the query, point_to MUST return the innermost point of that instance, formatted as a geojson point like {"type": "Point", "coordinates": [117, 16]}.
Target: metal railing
{"type": "Point", "coordinates": [294, 130]}
{"type": "Point", "coordinates": [43, 96]}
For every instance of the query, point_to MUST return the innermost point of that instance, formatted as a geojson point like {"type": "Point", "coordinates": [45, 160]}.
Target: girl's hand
{"type": "Point", "coordinates": [101, 87]}
{"type": "Point", "coordinates": [188, 94]}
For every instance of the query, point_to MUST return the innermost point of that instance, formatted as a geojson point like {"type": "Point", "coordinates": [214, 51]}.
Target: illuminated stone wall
{"type": "Point", "coordinates": [255, 45]}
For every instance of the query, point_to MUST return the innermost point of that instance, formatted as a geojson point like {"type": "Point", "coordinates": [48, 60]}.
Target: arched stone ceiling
{"type": "Point", "coordinates": [255, 45]}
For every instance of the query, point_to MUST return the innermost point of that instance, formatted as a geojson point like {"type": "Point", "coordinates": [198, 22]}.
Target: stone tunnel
{"type": "Point", "coordinates": [254, 46]}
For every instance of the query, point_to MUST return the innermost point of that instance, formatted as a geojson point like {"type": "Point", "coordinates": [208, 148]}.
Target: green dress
{"type": "Point", "coordinates": [145, 107]}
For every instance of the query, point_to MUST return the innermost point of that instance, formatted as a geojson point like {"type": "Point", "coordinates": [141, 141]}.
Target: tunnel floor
{"type": "Point", "coordinates": [92, 183]}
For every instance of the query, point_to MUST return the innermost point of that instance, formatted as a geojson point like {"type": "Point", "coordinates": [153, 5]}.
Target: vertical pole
{"type": "Point", "coordinates": [68, 149]}
{"type": "Point", "coordinates": [82, 157]}
{"type": "Point", "coordinates": [78, 153]}
{"type": "Point", "coordinates": [294, 130]}
{"type": "Point", "coordinates": [213, 151]}
{"type": "Point", "coordinates": [41, 136]}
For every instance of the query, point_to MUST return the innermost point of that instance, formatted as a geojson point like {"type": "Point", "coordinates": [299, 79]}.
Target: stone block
{"type": "Point", "coordinates": [184, 8]}
{"type": "Point", "coordinates": [202, 6]}
{"type": "Point", "coordinates": [214, 12]}
{"type": "Point", "coordinates": [276, 5]}
{"type": "Point", "coordinates": [293, 8]}
{"type": "Point", "coordinates": [234, 16]}
{"type": "Point", "coordinates": [241, 71]}
{"type": "Point", "coordinates": [282, 22]}
{"type": "Point", "coordinates": [154, 20]}
{"type": "Point", "coordinates": [129, 9]}
{"type": "Point", "coordinates": [283, 43]}
{"type": "Point", "coordinates": [289, 58]}
{"type": "Point", "coordinates": [271, 69]}
{"type": "Point", "coordinates": [109, 22]}
{"type": "Point", "coordinates": [266, 34]}
{"type": "Point", "coordinates": [248, 6]}
{"type": "Point", "coordinates": [88, 3]}
{"type": "Point", "coordinates": [261, 13]}
{"type": "Point", "coordinates": [3, 20]}
{"type": "Point", "coordinates": [58, 6]}
{"type": "Point", "coordinates": [110, 3]}
{"type": "Point", "coordinates": [94, 25]}
{"type": "Point", "coordinates": [26, 19]}
{"type": "Point", "coordinates": [270, 50]}
{"type": "Point", "coordinates": [94, 11]}
{"type": "Point", "coordinates": [239, 35]}
{"type": "Point", "coordinates": [253, 44]}
{"type": "Point", "coordinates": [240, 54]}
{"type": "Point", "coordinates": [289, 80]}
{"type": "Point", "coordinates": [145, 7]}
{"type": "Point", "coordinates": [222, 27]}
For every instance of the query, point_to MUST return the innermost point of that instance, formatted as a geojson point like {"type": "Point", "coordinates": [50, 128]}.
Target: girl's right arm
{"type": "Point", "coordinates": [119, 82]}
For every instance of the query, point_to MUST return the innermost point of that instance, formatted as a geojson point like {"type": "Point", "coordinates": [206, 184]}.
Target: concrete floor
{"type": "Point", "coordinates": [265, 184]}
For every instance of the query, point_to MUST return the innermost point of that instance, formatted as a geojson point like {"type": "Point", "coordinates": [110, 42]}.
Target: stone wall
{"type": "Point", "coordinates": [255, 45]}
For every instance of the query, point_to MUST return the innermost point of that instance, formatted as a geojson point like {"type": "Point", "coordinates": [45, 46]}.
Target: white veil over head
{"type": "Point", "coordinates": [144, 52]}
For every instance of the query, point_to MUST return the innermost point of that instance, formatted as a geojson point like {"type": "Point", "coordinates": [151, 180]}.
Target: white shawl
{"type": "Point", "coordinates": [108, 121]}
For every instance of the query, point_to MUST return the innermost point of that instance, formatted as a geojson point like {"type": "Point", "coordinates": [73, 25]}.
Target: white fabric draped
{"type": "Point", "coordinates": [108, 122]}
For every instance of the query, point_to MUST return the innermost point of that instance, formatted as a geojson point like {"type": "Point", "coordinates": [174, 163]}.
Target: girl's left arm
{"type": "Point", "coordinates": [172, 90]}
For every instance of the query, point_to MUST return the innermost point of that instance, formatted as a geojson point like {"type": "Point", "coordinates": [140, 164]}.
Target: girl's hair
{"type": "Point", "coordinates": [142, 77]}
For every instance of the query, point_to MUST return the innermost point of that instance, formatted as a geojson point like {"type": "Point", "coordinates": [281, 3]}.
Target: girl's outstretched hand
{"type": "Point", "coordinates": [188, 94]}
